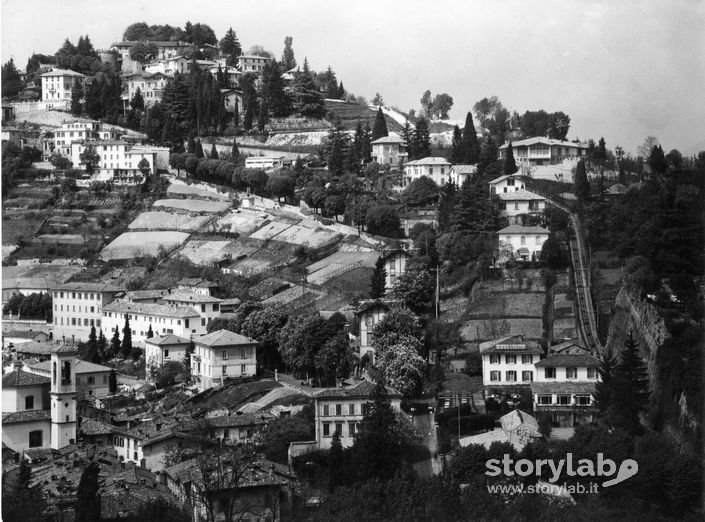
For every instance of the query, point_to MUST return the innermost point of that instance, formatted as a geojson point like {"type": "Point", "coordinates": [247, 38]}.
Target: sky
{"type": "Point", "coordinates": [621, 69]}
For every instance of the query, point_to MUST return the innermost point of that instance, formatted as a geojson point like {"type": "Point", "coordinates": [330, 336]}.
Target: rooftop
{"type": "Point", "coordinates": [233, 421]}
{"type": "Point", "coordinates": [429, 161]}
{"type": "Point", "coordinates": [361, 390]}
{"type": "Point", "coordinates": [563, 387]}
{"type": "Point", "coordinates": [63, 72]}
{"type": "Point", "coordinates": [23, 378]}
{"type": "Point", "coordinates": [24, 334]}
{"type": "Point", "coordinates": [190, 296]}
{"type": "Point", "coordinates": [169, 339]}
{"type": "Point", "coordinates": [519, 195]}
{"type": "Point", "coordinates": [502, 178]}
{"type": "Point", "coordinates": [519, 229]}
{"type": "Point", "coordinates": [80, 367]}
{"type": "Point", "coordinates": [569, 360]}
{"type": "Point", "coordinates": [19, 417]}
{"type": "Point", "coordinates": [545, 141]}
{"type": "Point", "coordinates": [153, 309]}
{"type": "Point", "coordinates": [87, 287]}
{"type": "Point", "coordinates": [93, 427]}
{"type": "Point", "coordinates": [388, 139]}
{"type": "Point", "coordinates": [223, 338]}
{"type": "Point", "coordinates": [511, 344]}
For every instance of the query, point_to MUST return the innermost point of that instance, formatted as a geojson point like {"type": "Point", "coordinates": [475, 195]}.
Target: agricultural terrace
{"type": "Point", "coordinates": [161, 220]}
{"type": "Point", "coordinates": [177, 189]}
{"type": "Point", "coordinates": [201, 252]}
{"type": "Point", "coordinates": [194, 205]}
{"type": "Point", "coordinates": [130, 245]}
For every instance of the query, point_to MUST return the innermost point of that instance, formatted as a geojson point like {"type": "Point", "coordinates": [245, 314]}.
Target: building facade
{"type": "Point", "coordinates": [437, 169]}
{"type": "Point", "coordinates": [79, 306]}
{"type": "Point", "coordinates": [507, 183]}
{"type": "Point", "coordinates": [369, 314]}
{"type": "Point", "coordinates": [524, 243]}
{"type": "Point", "coordinates": [543, 151]}
{"type": "Point", "coordinates": [57, 85]}
{"type": "Point", "coordinates": [222, 355]}
{"type": "Point", "coordinates": [509, 361]}
{"type": "Point", "coordinates": [161, 349]}
{"type": "Point", "coordinates": [512, 205]}
{"type": "Point", "coordinates": [183, 321]}
{"type": "Point", "coordinates": [389, 150]}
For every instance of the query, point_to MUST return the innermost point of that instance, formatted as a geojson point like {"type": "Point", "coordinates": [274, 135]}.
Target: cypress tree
{"type": "Point", "coordinates": [87, 496]}
{"type": "Point", "coordinates": [367, 143]}
{"type": "Point", "coordinates": [422, 139]}
{"type": "Point", "coordinates": [214, 152]}
{"type": "Point", "coordinates": [378, 282]}
{"type": "Point", "coordinates": [456, 147]}
{"type": "Point", "coordinates": [150, 332]}
{"type": "Point", "coordinates": [115, 343]}
{"type": "Point", "coordinates": [112, 381]}
{"type": "Point", "coordinates": [102, 346]}
{"type": "Point", "coordinates": [510, 166]}
{"type": "Point", "coordinates": [126, 347]}
{"type": "Point", "coordinates": [581, 185]}
{"type": "Point", "coordinates": [471, 147]}
{"type": "Point", "coordinates": [191, 145]}
{"type": "Point", "coordinates": [199, 150]}
{"type": "Point", "coordinates": [262, 118]}
{"type": "Point", "coordinates": [408, 136]}
{"type": "Point", "coordinates": [380, 127]}
{"type": "Point", "coordinates": [235, 152]}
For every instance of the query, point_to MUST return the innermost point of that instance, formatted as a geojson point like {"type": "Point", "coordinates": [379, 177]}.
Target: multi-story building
{"type": "Point", "coordinates": [341, 410]}
{"type": "Point", "coordinates": [194, 284]}
{"type": "Point", "coordinates": [253, 64]}
{"type": "Point", "coordinates": [151, 86]}
{"type": "Point", "coordinates": [369, 313]}
{"type": "Point", "coordinates": [395, 266]}
{"type": "Point", "coordinates": [79, 306]}
{"type": "Point", "coordinates": [514, 205]}
{"type": "Point", "coordinates": [161, 349]}
{"type": "Point", "coordinates": [389, 150]}
{"type": "Point", "coordinates": [507, 183]}
{"type": "Point", "coordinates": [438, 169]}
{"type": "Point", "coordinates": [525, 243]}
{"type": "Point", "coordinates": [57, 86]}
{"type": "Point", "coordinates": [92, 380]}
{"type": "Point", "coordinates": [69, 132]}
{"type": "Point", "coordinates": [117, 155]}
{"type": "Point", "coordinates": [508, 362]}
{"type": "Point", "coordinates": [222, 355]}
{"type": "Point", "coordinates": [165, 50]}
{"type": "Point", "coordinates": [565, 387]}
{"type": "Point", "coordinates": [183, 321]}
{"type": "Point", "coordinates": [207, 306]}
{"type": "Point", "coordinates": [543, 151]}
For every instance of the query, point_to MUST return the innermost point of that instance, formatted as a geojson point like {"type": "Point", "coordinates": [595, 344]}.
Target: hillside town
{"type": "Point", "coordinates": [234, 290]}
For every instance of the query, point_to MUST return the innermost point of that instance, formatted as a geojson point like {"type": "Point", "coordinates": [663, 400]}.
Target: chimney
{"type": "Point", "coordinates": [63, 340]}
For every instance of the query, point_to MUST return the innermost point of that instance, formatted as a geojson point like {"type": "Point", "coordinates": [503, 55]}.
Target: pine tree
{"type": "Point", "coordinates": [446, 206]}
{"type": "Point", "coordinates": [263, 116]}
{"type": "Point", "coordinates": [407, 135]}
{"type": "Point", "coordinates": [126, 347]}
{"type": "Point", "coordinates": [488, 154]}
{"type": "Point", "coordinates": [379, 280]}
{"type": "Point", "coordinates": [112, 381]}
{"type": "Point", "coordinates": [581, 185]}
{"type": "Point", "coordinates": [308, 99]}
{"type": "Point", "coordinates": [380, 127]}
{"type": "Point", "coordinates": [102, 346]}
{"type": "Point", "coordinates": [288, 60]}
{"type": "Point", "coordinates": [199, 150]}
{"type": "Point", "coordinates": [115, 343]}
{"type": "Point", "coordinates": [87, 495]}
{"type": "Point", "coordinates": [336, 462]}
{"type": "Point", "coordinates": [214, 152]}
{"type": "Point", "coordinates": [76, 96]}
{"type": "Point", "coordinates": [341, 92]}
{"type": "Point", "coordinates": [274, 95]}
{"type": "Point", "coordinates": [91, 347]}
{"type": "Point", "coordinates": [630, 391]}
{"type": "Point", "coordinates": [456, 147]}
{"type": "Point", "coordinates": [336, 147]}
{"type": "Point", "coordinates": [422, 139]}
{"type": "Point", "coordinates": [471, 147]}
{"type": "Point", "coordinates": [603, 387]}
{"type": "Point", "coordinates": [367, 143]}
{"type": "Point", "coordinates": [191, 144]}
{"type": "Point", "coordinates": [510, 166]}
{"type": "Point", "coordinates": [230, 47]}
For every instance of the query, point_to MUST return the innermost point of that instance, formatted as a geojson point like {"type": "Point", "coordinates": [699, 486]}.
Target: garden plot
{"type": "Point", "coordinates": [338, 264]}
{"type": "Point", "coordinates": [508, 305]}
{"type": "Point", "coordinates": [63, 239]}
{"type": "Point", "coordinates": [193, 190]}
{"type": "Point", "coordinates": [161, 220]}
{"type": "Point", "coordinates": [194, 205]}
{"type": "Point", "coordinates": [487, 329]}
{"type": "Point", "coordinates": [290, 294]}
{"type": "Point", "coordinates": [242, 222]}
{"type": "Point", "coordinates": [208, 252]}
{"type": "Point", "coordinates": [137, 244]}
{"type": "Point", "coordinates": [313, 238]}
{"type": "Point", "coordinates": [249, 267]}
{"type": "Point", "coordinates": [564, 326]}
{"type": "Point", "coordinates": [270, 230]}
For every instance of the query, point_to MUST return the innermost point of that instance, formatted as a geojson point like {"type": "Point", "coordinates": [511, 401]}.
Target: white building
{"type": "Point", "coordinates": [76, 130]}
{"type": "Point", "coordinates": [183, 321]}
{"type": "Point", "coordinates": [509, 361]}
{"type": "Point", "coordinates": [264, 162]}
{"type": "Point", "coordinates": [524, 243]}
{"type": "Point", "coordinates": [222, 355]}
{"type": "Point", "coordinates": [79, 306]}
{"type": "Point", "coordinates": [460, 172]}
{"type": "Point", "coordinates": [161, 349]}
{"type": "Point", "coordinates": [57, 86]}
{"type": "Point", "coordinates": [369, 314]}
{"type": "Point", "coordinates": [543, 151]}
{"type": "Point", "coordinates": [26, 417]}
{"type": "Point", "coordinates": [92, 380]}
{"type": "Point", "coordinates": [342, 409]}
{"type": "Point", "coordinates": [252, 64]}
{"type": "Point", "coordinates": [519, 203]}
{"type": "Point", "coordinates": [151, 86]}
{"type": "Point", "coordinates": [507, 183]}
{"type": "Point", "coordinates": [438, 169]}
{"type": "Point", "coordinates": [565, 387]}
{"type": "Point", "coordinates": [389, 150]}
{"type": "Point", "coordinates": [119, 159]}
{"type": "Point", "coordinates": [395, 266]}
{"type": "Point", "coordinates": [207, 306]}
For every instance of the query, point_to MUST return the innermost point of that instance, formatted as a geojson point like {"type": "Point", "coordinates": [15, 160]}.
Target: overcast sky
{"type": "Point", "coordinates": [621, 69]}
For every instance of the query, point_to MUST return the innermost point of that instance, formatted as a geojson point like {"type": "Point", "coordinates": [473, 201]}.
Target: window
{"type": "Point", "coordinates": [186, 323]}
{"type": "Point", "coordinates": [243, 369]}
{"type": "Point", "coordinates": [545, 400]}
{"type": "Point", "coordinates": [510, 359]}
{"type": "Point", "coordinates": [538, 240]}
{"type": "Point", "coordinates": [29, 402]}
{"type": "Point", "coordinates": [216, 307]}
{"type": "Point", "coordinates": [527, 359]}
{"type": "Point", "coordinates": [582, 400]}
{"type": "Point", "coordinates": [105, 379]}
{"type": "Point", "coordinates": [494, 358]}
{"type": "Point", "coordinates": [516, 205]}
{"type": "Point", "coordinates": [338, 409]}
{"type": "Point", "coordinates": [523, 240]}
{"type": "Point", "coordinates": [243, 353]}
{"type": "Point", "coordinates": [592, 373]}
{"type": "Point", "coordinates": [91, 380]}
{"type": "Point", "coordinates": [326, 410]}
{"type": "Point", "coordinates": [549, 373]}
{"type": "Point", "coordinates": [511, 376]}
{"type": "Point", "coordinates": [495, 376]}
{"type": "Point", "coordinates": [510, 182]}
{"type": "Point", "coordinates": [351, 428]}
{"type": "Point", "coordinates": [225, 354]}
{"type": "Point", "coordinates": [225, 369]}
{"type": "Point", "coordinates": [35, 439]}
{"type": "Point", "coordinates": [203, 308]}
{"type": "Point", "coordinates": [527, 376]}
{"type": "Point", "coordinates": [564, 400]}
{"type": "Point", "coordinates": [326, 429]}
{"type": "Point", "coordinates": [351, 409]}
{"type": "Point", "coordinates": [166, 354]}
{"type": "Point", "coordinates": [571, 373]}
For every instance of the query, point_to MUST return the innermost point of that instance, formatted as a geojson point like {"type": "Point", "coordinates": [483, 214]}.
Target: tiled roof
{"type": "Point", "coordinates": [429, 161]}
{"type": "Point", "coordinates": [24, 334]}
{"type": "Point", "coordinates": [546, 141]}
{"type": "Point", "coordinates": [223, 338]}
{"type": "Point", "coordinates": [502, 178]}
{"type": "Point", "coordinates": [146, 294]}
{"type": "Point", "coordinates": [154, 309]}
{"type": "Point", "coordinates": [519, 195]}
{"type": "Point", "coordinates": [63, 72]}
{"type": "Point", "coordinates": [388, 139]}
{"type": "Point", "coordinates": [23, 378]}
{"type": "Point", "coordinates": [569, 360]}
{"type": "Point", "coordinates": [88, 287]}
{"type": "Point", "coordinates": [169, 339]}
{"type": "Point", "coordinates": [34, 347]}
{"type": "Point", "coordinates": [530, 347]}
{"type": "Point", "coordinates": [562, 387]}
{"type": "Point", "coordinates": [190, 297]}
{"type": "Point", "coordinates": [195, 281]}
{"type": "Point", "coordinates": [26, 416]}
{"type": "Point", "coordinates": [361, 390]}
{"type": "Point", "coordinates": [518, 229]}
{"type": "Point", "coordinates": [233, 421]}
{"type": "Point", "coordinates": [79, 365]}
{"type": "Point", "coordinates": [94, 427]}
{"type": "Point", "coordinates": [257, 475]}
